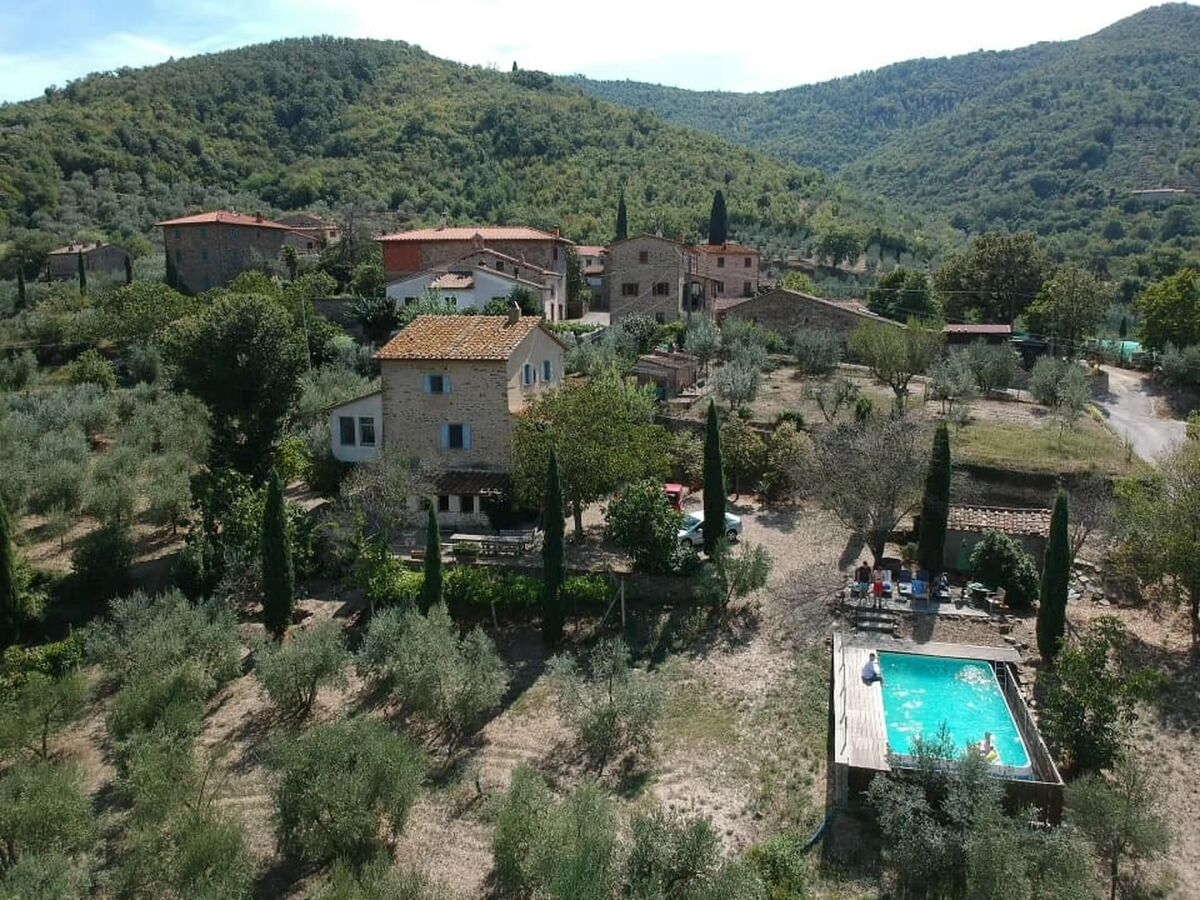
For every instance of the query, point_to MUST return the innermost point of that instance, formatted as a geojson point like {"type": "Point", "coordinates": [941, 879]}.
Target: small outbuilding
{"type": "Point", "coordinates": [670, 373]}
{"type": "Point", "coordinates": [966, 526]}
{"type": "Point", "coordinates": [966, 333]}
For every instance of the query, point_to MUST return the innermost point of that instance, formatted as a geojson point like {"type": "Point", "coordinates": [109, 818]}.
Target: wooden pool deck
{"type": "Point", "coordinates": [860, 732]}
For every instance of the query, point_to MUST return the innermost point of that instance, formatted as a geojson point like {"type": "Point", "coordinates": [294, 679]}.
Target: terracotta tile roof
{"type": "Point", "coordinates": [453, 281]}
{"type": "Point", "coordinates": [512, 260]}
{"type": "Point", "coordinates": [852, 306]}
{"type": "Point", "coordinates": [75, 249]}
{"type": "Point", "coordinates": [459, 337]}
{"type": "Point", "coordinates": [588, 250]}
{"type": "Point", "coordinates": [666, 360]}
{"type": "Point", "coordinates": [999, 518]}
{"type": "Point", "coordinates": [977, 329]}
{"type": "Point", "coordinates": [224, 217]}
{"type": "Point", "coordinates": [730, 249]}
{"type": "Point", "coordinates": [485, 232]}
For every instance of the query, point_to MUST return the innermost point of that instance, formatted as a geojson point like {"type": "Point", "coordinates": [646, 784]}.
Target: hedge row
{"type": "Point", "coordinates": [479, 587]}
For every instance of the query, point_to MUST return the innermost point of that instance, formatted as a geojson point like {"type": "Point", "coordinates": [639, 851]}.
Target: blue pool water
{"type": "Point", "coordinates": [922, 692]}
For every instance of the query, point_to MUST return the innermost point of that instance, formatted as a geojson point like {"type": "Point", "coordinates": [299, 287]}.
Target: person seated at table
{"type": "Point", "coordinates": [942, 587]}
{"type": "Point", "coordinates": [871, 672]}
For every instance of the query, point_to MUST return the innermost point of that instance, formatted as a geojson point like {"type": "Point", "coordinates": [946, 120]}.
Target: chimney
{"type": "Point", "coordinates": [514, 313]}
{"type": "Point", "coordinates": [556, 232]}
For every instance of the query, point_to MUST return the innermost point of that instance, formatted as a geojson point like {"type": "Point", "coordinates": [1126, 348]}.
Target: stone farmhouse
{"type": "Point", "coordinates": [656, 276]}
{"type": "Point", "coordinates": [98, 259]}
{"type": "Point", "coordinates": [733, 268]}
{"type": "Point", "coordinates": [210, 249]}
{"type": "Point", "coordinates": [324, 231]}
{"type": "Point", "coordinates": [451, 388]}
{"type": "Point", "coordinates": [518, 249]}
{"type": "Point", "coordinates": [789, 311]}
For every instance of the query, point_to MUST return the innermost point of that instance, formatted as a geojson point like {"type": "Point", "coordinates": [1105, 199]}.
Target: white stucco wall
{"type": "Point", "coordinates": [369, 407]}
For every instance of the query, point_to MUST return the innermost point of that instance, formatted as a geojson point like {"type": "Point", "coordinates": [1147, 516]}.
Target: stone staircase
{"type": "Point", "coordinates": [876, 621]}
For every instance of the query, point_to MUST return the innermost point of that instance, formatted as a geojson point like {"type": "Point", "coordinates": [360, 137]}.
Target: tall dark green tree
{"type": "Point", "coordinates": [935, 504]}
{"type": "Point", "coordinates": [1056, 581]}
{"type": "Point", "coordinates": [718, 220]}
{"type": "Point", "coordinates": [20, 287]}
{"type": "Point", "coordinates": [622, 219]}
{"type": "Point", "coordinates": [714, 482]}
{"type": "Point", "coordinates": [554, 558]}
{"type": "Point", "coordinates": [129, 270]}
{"type": "Point", "coordinates": [278, 572]}
{"type": "Point", "coordinates": [1123, 328]}
{"type": "Point", "coordinates": [431, 587]}
{"type": "Point", "coordinates": [10, 590]}
{"type": "Point", "coordinates": [82, 275]}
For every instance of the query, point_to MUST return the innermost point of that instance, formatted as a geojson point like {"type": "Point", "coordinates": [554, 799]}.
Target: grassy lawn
{"type": "Point", "coordinates": [1040, 449]}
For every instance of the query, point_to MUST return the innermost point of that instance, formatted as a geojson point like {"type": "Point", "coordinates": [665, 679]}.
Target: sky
{"type": "Point", "coordinates": [742, 46]}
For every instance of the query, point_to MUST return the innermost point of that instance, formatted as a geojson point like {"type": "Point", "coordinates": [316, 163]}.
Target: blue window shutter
{"type": "Point", "coordinates": [427, 383]}
{"type": "Point", "coordinates": [466, 437]}
{"type": "Point", "coordinates": [445, 437]}
{"type": "Point", "coordinates": [445, 384]}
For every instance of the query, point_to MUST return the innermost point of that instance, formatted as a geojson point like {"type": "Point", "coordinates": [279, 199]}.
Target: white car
{"type": "Point", "coordinates": [692, 531]}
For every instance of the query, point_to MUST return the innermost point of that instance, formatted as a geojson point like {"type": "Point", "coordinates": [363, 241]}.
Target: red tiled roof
{"type": "Point", "coordinates": [998, 518]}
{"type": "Point", "coordinates": [977, 329]}
{"type": "Point", "coordinates": [453, 281]}
{"type": "Point", "coordinates": [730, 249]}
{"type": "Point", "coordinates": [224, 217]}
{"type": "Point", "coordinates": [459, 337]}
{"type": "Point", "coordinates": [587, 250]}
{"type": "Point", "coordinates": [486, 232]}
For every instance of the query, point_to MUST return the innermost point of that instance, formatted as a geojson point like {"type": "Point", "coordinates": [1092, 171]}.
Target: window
{"type": "Point", "coordinates": [720, 287]}
{"type": "Point", "coordinates": [443, 503]}
{"type": "Point", "coordinates": [499, 266]}
{"type": "Point", "coordinates": [659, 318]}
{"type": "Point", "coordinates": [556, 252]}
{"type": "Point", "coordinates": [629, 289]}
{"type": "Point", "coordinates": [437, 384]}
{"type": "Point", "coordinates": [409, 301]}
{"type": "Point", "coordinates": [346, 429]}
{"type": "Point", "coordinates": [456, 437]}
{"type": "Point", "coordinates": [662, 289]}
{"type": "Point", "coordinates": [747, 288]}
{"type": "Point", "coordinates": [547, 370]}
{"type": "Point", "coordinates": [644, 257]}
{"type": "Point", "coordinates": [366, 431]}
{"type": "Point", "coordinates": [516, 272]}
{"type": "Point", "coordinates": [528, 375]}
{"type": "Point", "coordinates": [204, 254]}
{"type": "Point", "coordinates": [466, 503]}
{"type": "Point", "coordinates": [720, 262]}
{"type": "Point", "coordinates": [746, 262]}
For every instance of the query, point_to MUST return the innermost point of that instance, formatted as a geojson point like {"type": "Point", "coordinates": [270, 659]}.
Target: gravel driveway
{"type": "Point", "coordinates": [1129, 409]}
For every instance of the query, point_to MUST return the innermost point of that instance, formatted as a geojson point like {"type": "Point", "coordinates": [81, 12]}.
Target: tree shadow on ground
{"type": "Point", "coordinates": [278, 877]}
{"type": "Point", "coordinates": [785, 518]}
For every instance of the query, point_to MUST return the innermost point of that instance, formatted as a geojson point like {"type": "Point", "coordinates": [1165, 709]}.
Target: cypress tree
{"type": "Point", "coordinates": [1056, 581]}
{"type": "Point", "coordinates": [82, 275]}
{"type": "Point", "coordinates": [10, 591]}
{"type": "Point", "coordinates": [718, 220]}
{"type": "Point", "coordinates": [714, 483]}
{"type": "Point", "coordinates": [20, 287]}
{"type": "Point", "coordinates": [554, 557]}
{"type": "Point", "coordinates": [622, 219]}
{"type": "Point", "coordinates": [128, 269]}
{"type": "Point", "coordinates": [431, 587]}
{"type": "Point", "coordinates": [935, 504]}
{"type": "Point", "coordinates": [279, 575]}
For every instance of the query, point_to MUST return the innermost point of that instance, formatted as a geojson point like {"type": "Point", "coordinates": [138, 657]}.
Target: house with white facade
{"type": "Point", "coordinates": [470, 286]}
{"type": "Point", "coordinates": [451, 389]}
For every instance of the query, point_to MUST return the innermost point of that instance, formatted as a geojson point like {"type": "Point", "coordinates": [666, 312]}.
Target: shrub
{"type": "Point", "coordinates": [586, 591]}
{"type": "Point", "coordinates": [641, 521]}
{"type": "Point", "coordinates": [818, 351]}
{"type": "Point", "coordinates": [671, 856]}
{"type": "Point", "coordinates": [45, 876]}
{"type": "Point", "coordinates": [92, 368]}
{"type": "Point", "coordinates": [788, 461]}
{"type": "Point", "coordinates": [39, 707]}
{"type": "Point", "coordinates": [43, 809]}
{"type": "Point", "coordinates": [1000, 562]}
{"type": "Point", "coordinates": [145, 363]}
{"type": "Point", "coordinates": [337, 784]}
{"type": "Point", "coordinates": [194, 854]}
{"type": "Point", "coordinates": [437, 675]}
{"type": "Point", "coordinates": [609, 709]}
{"type": "Point", "coordinates": [379, 880]}
{"type": "Point", "coordinates": [737, 381]}
{"type": "Point", "coordinates": [101, 561]}
{"type": "Point", "coordinates": [18, 371]}
{"type": "Point", "coordinates": [728, 575]}
{"type": "Point", "coordinates": [1181, 365]}
{"type": "Point", "coordinates": [170, 704]}
{"type": "Point", "coordinates": [519, 819]}
{"type": "Point", "coordinates": [781, 865]}
{"type": "Point", "coordinates": [292, 673]}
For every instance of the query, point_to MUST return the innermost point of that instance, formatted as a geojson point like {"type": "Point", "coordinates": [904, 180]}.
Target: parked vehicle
{"type": "Point", "coordinates": [692, 531]}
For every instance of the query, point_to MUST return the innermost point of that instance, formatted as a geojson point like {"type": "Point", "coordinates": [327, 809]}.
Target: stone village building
{"type": "Point", "coordinates": [451, 388]}
{"type": "Point", "coordinates": [658, 277]}
{"type": "Point", "coordinates": [98, 259]}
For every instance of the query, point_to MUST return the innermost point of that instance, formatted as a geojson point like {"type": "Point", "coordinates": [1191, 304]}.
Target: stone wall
{"type": "Point", "coordinates": [631, 282]}
{"type": "Point", "coordinates": [788, 312]}
{"type": "Point", "coordinates": [212, 254]}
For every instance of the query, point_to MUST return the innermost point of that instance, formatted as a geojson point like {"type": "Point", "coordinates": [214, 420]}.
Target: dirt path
{"type": "Point", "coordinates": [1129, 409]}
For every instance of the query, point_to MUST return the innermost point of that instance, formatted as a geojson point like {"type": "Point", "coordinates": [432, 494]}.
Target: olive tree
{"type": "Point", "coordinates": [896, 355]}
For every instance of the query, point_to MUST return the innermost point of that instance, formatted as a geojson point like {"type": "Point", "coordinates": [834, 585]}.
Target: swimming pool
{"type": "Point", "coordinates": [922, 692]}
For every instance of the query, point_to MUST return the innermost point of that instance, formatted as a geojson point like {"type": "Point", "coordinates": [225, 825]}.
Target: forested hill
{"type": "Point", "coordinates": [333, 121]}
{"type": "Point", "coordinates": [1049, 137]}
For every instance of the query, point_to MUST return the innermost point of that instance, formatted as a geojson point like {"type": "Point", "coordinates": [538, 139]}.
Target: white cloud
{"type": "Point", "coordinates": [750, 45]}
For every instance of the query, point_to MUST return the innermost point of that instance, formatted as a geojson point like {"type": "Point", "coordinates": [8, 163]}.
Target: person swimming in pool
{"type": "Point", "coordinates": [871, 672]}
{"type": "Point", "coordinates": [987, 748]}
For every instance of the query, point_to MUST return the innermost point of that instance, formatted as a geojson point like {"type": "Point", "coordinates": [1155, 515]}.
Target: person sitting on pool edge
{"type": "Point", "coordinates": [871, 672]}
{"type": "Point", "coordinates": [986, 748]}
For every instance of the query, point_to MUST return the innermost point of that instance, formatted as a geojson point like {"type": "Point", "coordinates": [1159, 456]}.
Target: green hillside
{"type": "Point", "coordinates": [1049, 138]}
{"type": "Point", "coordinates": [387, 127]}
